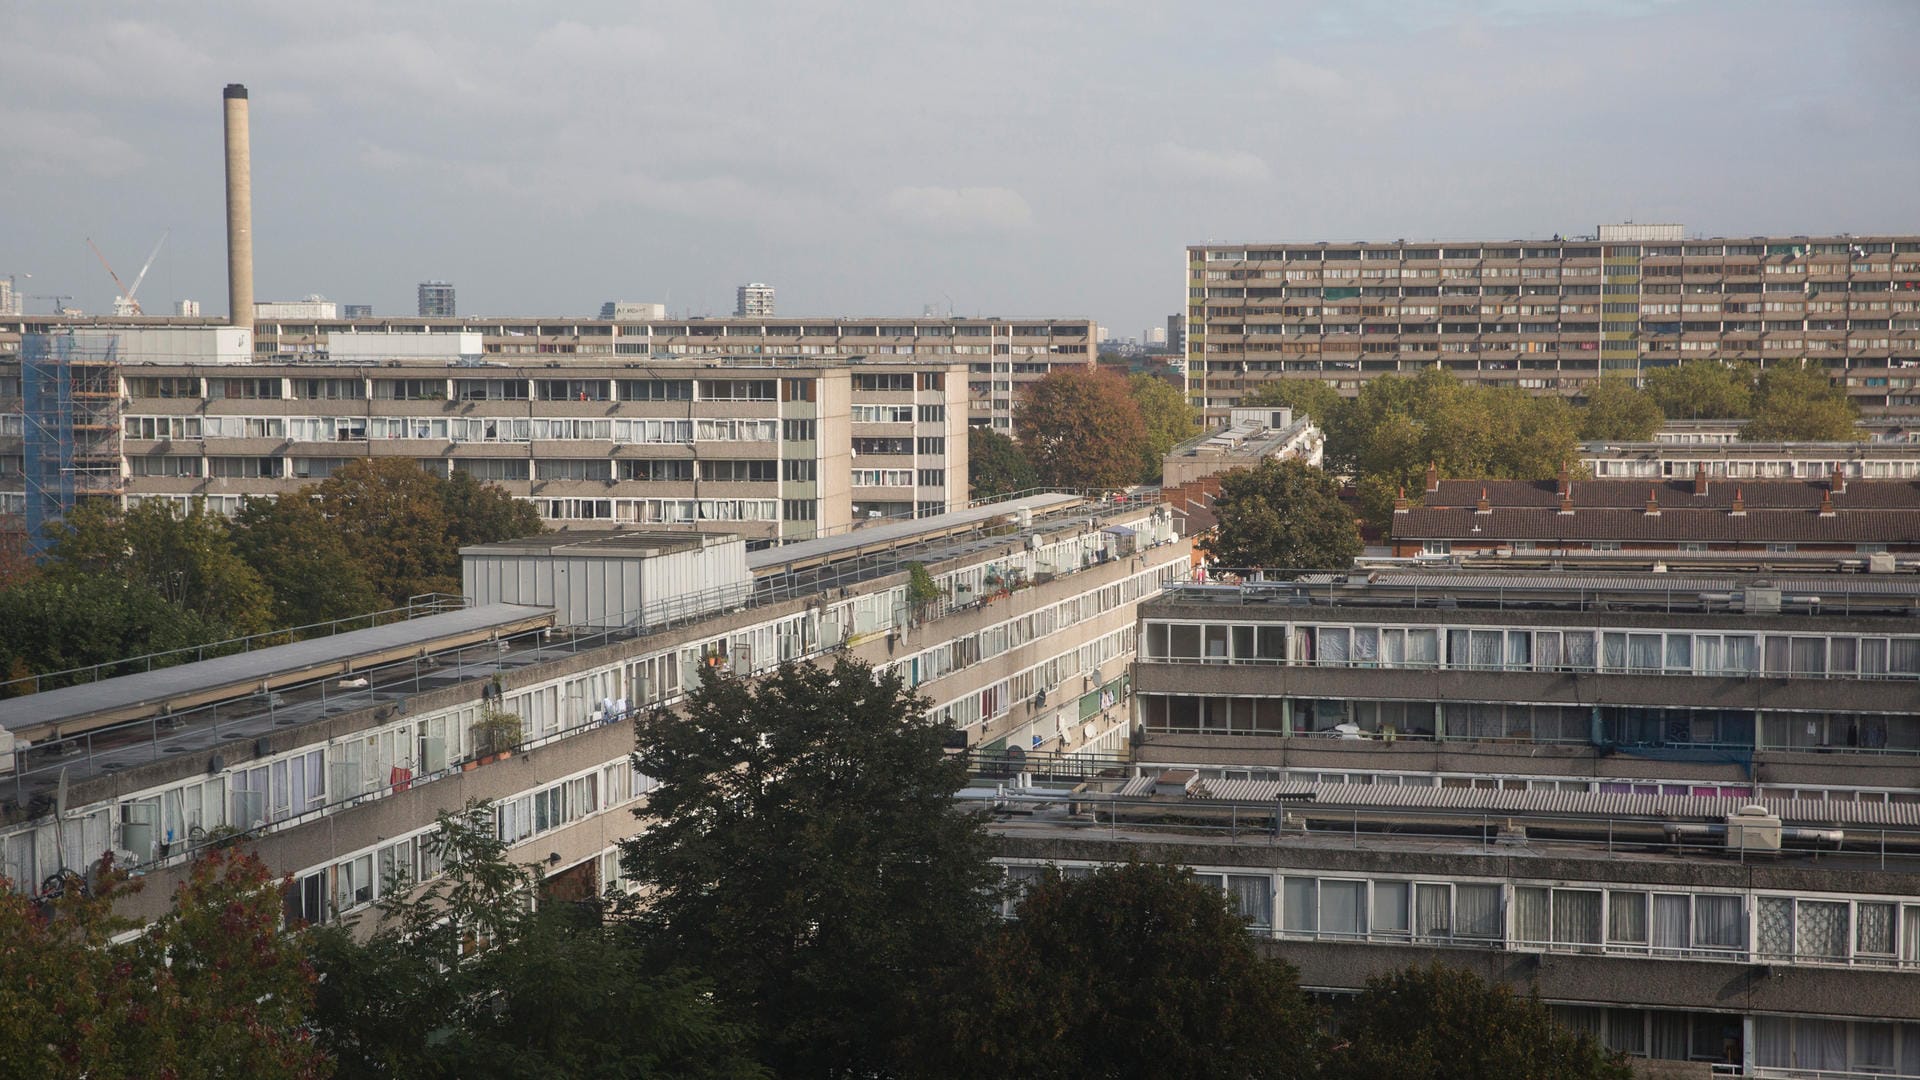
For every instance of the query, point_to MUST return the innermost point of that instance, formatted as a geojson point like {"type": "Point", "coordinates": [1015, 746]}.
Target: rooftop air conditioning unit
{"type": "Point", "coordinates": [1753, 828]}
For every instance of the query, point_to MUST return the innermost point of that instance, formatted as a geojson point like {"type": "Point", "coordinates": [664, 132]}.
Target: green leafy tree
{"type": "Point", "coordinates": [804, 850]}
{"type": "Point", "coordinates": [1306, 397]}
{"type": "Point", "coordinates": [391, 516]}
{"type": "Point", "coordinates": [60, 621]}
{"type": "Point", "coordinates": [1167, 417]}
{"type": "Point", "coordinates": [485, 513]}
{"type": "Point", "coordinates": [1285, 515]}
{"type": "Point", "coordinates": [1801, 404]}
{"type": "Point", "coordinates": [1702, 390]}
{"type": "Point", "coordinates": [996, 466]}
{"type": "Point", "coordinates": [1133, 970]}
{"type": "Point", "coordinates": [1081, 429]}
{"type": "Point", "coordinates": [303, 559]}
{"type": "Point", "coordinates": [187, 557]}
{"type": "Point", "coordinates": [1398, 425]}
{"type": "Point", "coordinates": [1619, 411]}
{"type": "Point", "coordinates": [214, 988]}
{"type": "Point", "coordinates": [465, 978]}
{"type": "Point", "coordinates": [1448, 1024]}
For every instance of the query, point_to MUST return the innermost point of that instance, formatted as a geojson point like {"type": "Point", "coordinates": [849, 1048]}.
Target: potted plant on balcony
{"type": "Point", "coordinates": [496, 735]}
{"type": "Point", "coordinates": [922, 591]}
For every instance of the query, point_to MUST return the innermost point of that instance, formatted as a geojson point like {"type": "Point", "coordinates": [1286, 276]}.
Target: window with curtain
{"type": "Point", "coordinates": [1333, 644]}
{"type": "Point", "coordinates": [1546, 650]}
{"type": "Point", "coordinates": [1910, 934]}
{"type": "Point", "coordinates": [1903, 656]}
{"type": "Point", "coordinates": [1343, 907]}
{"type": "Point", "coordinates": [1252, 898]}
{"type": "Point", "coordinates": [1476, 912]}
{"type": "Point", "coordinates": [1519, 650]}
{"type": "Point", "coordinates": [1773, 923]}
{"type": "Point", "coordinates": [1579, 650]}
{"type": "Point", "coordinates": [1532, 915]}
{"type": "Point", "coordinates": [1718, 923]}
{"type": "Point", "coordinates": [1809, 656]}
{"type": "Point", "coordinates": [1740, 655]}
{"type": "Point", "coordinates": [1679, 652]}
{"type": "Point", "coordinates": [1627, 1031]}
{"type": "Point", "coordinates": [1643, 652]}
{"type": "Point", "coordinates": [1613, 651]}
{"type": "Point", "coordinates": [1423, 647]}
{"type": "Point", "coordinates": [1432, 912]}
{"type": "Point", "coordinates": [1843, 654]}
{"type": "Point", "coordinates": [1669, 927]}
{"type": "Point", "coordinates": [1873, 928]}
{"type": "Point", "coordinates": [1576, 916]}
{"type": "Point", "coordinates": [1709, 657]}
{"type": "Point", "coordinates": [1483, 650]}
{"type": "Point", "coordinates": [1393, 648]}
{"type": "Point", "coordinates": [1821, 929]}
{"type": "Point", "coordinates": [1820, 1044]}
{"type": "Point", "coordinates": [1300, 905]}
{"type": "Point", "coordinates": [1873, 656]}
{"type": "Point", "coordinates": [1366, 646]}
{"type": "Point", "coordinates": [1872, 1048]}
{"type": "Point", "coordinates": [1627, 917]}
{"type": "Point", "coordinates": [1670, 1031]}
{"type": "Point", "coordinates": [1773, 1042]}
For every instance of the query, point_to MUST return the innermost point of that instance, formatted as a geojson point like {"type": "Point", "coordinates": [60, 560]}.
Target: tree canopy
{"type": "Point", "coordinates": [304, 561]}
{"type": "Point", "coordinates": [187, 557]}
{"type": "Point", "coordinates": [464, 978]}
{"type": "Point", "coordinates": [1800, 404]}
{"type": "Point", "coordinates": [1082, 428]}
{"type": "Point", "coordinates": [1619, 411]}
{"type": "Point", "coordinates": [1702, 390]}
{"type": "Point", "coordinates": [996, 466]}
{"type": "Point", "coordinates": [1285, 515]}
{"type": "Point", "coordinates": [1443, 1023]}
{"type": "Point", "coordinates": [1306, 397]}
{"type": "Point", "coordinates": [1131, 970]}
{"type": "Point", "coordinates": [803, 849]}
{"type": "Point", "coordinates": [56, 622]}
{"type": "Point", "coordinates": [1167, 418]}
{"type": "Point", "coordinates": [214, 988]}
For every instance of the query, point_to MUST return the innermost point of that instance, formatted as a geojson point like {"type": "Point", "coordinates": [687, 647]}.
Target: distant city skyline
{"type": "Point", "coordinates": [1018, 164]}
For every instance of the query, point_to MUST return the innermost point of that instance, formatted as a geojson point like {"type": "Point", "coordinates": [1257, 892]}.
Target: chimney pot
{"type": "Point", "coordinates": [1400, 503]}
{"type": "Point", "coordinates": [1739, 502]}
{"type": "Point", "coordinates": [1839, 484]}
{"type": "Point", "coordinates": [1653, 502]}
{"type": "Point", "coordinates": [1700, 479]}
{"type": "Point", "coordinates": [1483, 506]}
{"type": "Point", "coordinates": [1433, 478]}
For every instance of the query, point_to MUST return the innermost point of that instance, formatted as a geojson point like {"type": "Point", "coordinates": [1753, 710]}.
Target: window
{"type": "Point", "coordinates": [410, 389]}
{"type": "Point", "coordinates": [882, 382]}
{"type": "Point", "coordinates": [244, 389]}
{"type": "Point", "coordinates": [657, 471]}
{"type": "Point", "coordinates": [246, 468]}
{"type": "Point", "coordinates": [799, 470]}
{"type": "Point", "coordinates": [490, 389]}
{"type": "Point", "coordinates": [492, 468]}
{"type": "Point", "coordinates": [797, 430]}
{"type": "Point", "coordinates": [883, 414]}
{"type": "Point", "coordinates": [573, 469]}
{"type": "Point", "coordinates": [152, 386]}
{"type": "Point", "coordinates": [739, 390]}
{"type": "Point", "coordinates": [739, 471]}
{"type": "Point", "coordinates": [656, 389]}
{"type": "Point", "coordinates": [798, 510]}
{"type": "Point", "coordinates": [572, 389]}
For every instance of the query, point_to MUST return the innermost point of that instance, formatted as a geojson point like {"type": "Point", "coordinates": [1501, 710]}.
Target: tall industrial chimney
{"type": "Point", "coordinates": [239, 209]}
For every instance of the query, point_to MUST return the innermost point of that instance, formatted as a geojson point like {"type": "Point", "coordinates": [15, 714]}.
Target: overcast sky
{"type": "Point", "coordinates": [870, 158]}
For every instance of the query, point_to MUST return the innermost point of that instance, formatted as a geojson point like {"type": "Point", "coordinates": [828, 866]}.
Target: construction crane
{"type": "Point", "coordinates": [126, 304]}
{"type": "Point", "coordinates": [59, 301]}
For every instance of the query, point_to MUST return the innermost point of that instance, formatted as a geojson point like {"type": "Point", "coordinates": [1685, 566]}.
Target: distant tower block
{"type": "Point", "coordinates": [753, 301]}
{"type": "Point", "coordinates": [436, 300]}
{"type": "Point", "coordinates": [239, 208]}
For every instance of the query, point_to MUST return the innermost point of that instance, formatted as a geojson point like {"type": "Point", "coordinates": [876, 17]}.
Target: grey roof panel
{"type": "Point", "coordinates": [154, 687]}
{"type": "Point", "coordinates": [901, 531]}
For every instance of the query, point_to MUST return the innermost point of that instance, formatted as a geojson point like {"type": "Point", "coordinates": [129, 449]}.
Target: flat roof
{"type": "Point", "coordinates": [145, 693]}
{"type": "Point", "coordinates": [905, 531]}
{"type": "Point", "coordinates": [642, 543]}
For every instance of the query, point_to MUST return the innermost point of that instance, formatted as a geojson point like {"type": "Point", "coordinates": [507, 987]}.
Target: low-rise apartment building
{"type": "Point", "coordinates": [770, 447]}
{"type": "Point", "coordinates": [333, 755]}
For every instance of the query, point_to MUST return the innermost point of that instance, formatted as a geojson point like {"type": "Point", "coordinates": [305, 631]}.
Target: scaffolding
{"type": "Point", "coordinates": [71, 397]}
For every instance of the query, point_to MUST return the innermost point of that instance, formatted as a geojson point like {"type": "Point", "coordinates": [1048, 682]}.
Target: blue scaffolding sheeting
{"type": "Point", "coordinates": [71, 435]}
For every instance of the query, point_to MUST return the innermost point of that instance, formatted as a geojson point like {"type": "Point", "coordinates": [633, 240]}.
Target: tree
{"type": "Point", "coordinates": [303, 559]}
{"type": "Point", "coordinates": [1167, 417]}
{"type": "Point", "coordinates": [485, 513]}
{"type": "Point", "coordinates": [1081, 429]}
{"type": "Point", "coordinates": [1306, 397]}
{"type": "Point", "coordinates": [464, 978]}
{"type": "Point", "coordinates": [1132, 970]}
{"type": "Point", "coordinates": [1619, 411]}
{"type": "Point", "coordinates": [996, 466]}
{"type": "Point", "coordinates": [1396, 426]}
{"type": "Point", "coordinates": [804, 850]}
{"type": "Point", "coordinates": [57, 622]}
{"type": "Point", "coordinates": [214, 988]}
{"type": "Point", "coordinates": [1448, 1024]}
{"type": "Point", "coordinates": [1702, 390]}
{"type": "Point", "coordinates": [1283, 514]}
{"type": "Point", "coordinates": [1800, 404]}
{"type": "Point", "coordinates": [187, 557]}
{"type": "Point", "coordinates": [391, 516]}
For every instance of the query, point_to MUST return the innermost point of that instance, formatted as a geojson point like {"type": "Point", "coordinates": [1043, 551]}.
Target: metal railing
{"type": "Point", "coordinates": [416, 606]}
